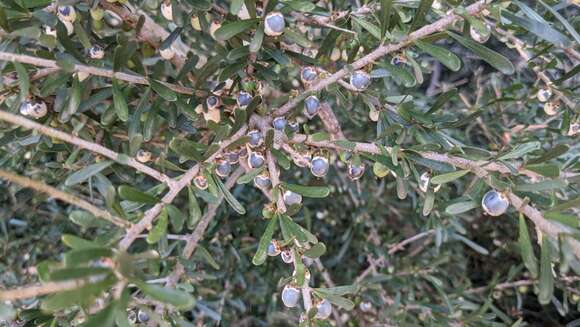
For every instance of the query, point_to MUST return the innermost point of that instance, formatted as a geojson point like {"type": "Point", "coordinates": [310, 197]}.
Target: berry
{"type": "Point", "coordinates": [398, 60]}
{"type": "Point", "coordinates": [273, 249]}
{"type": "Point", "coordinates": [291, 198]}
{"type": "Point", "coordinates": [544, 94]}
{"type": "Point", "coordinates": [494, 203]}
{"type": "Point", "coordinates": [324, 309]}
{"type": "Point", "coordinates": [142, 316]}
{"type": "Point", "coordinates": [213, 102]}
{"type": "Point", "coordinates": [96, 52]}
{"type": "Point", "coordinates": [356, 171]}
{"type": "Point", "coordinates": [287, 256]}
{"type": "Point", "coordinates": [233, 157]}
{"type": "Point", "coordinates": [424, 181]}
{"type": "Point", "coordinates": [478, 36]}
{"type": "Point", "coordinates": [25, 108]}
{"type": "Point", "coordinates": [262, 180]}
{"type": "Point", "coordinates": [365, 306]}
{"type": "Point", "coordinates": [200, 182]}
{"type": "Point", "coordinates": [319, 166]}
{"type": "Point", "coordinates": [143, 156]}
{"type": "Point", "coordinates": [311, 106]}
{"type": "Point", "coordinates": [574, 129]}
{"type": "Point", "coordinates": [290, 296]}
{"type": "Point", "coordinates": [279, 123]}
{"type": "Point", "coordinates": [360, 80]}
{"type": "Point", "coordinates": [255, 160]}
{"type": "Point", "coordinates": [34, 109]}
{"type": "Point", "coordinates": [551, 107]}
{"type": "Point", "coordinates": [256, 138]}
{"type": "Point", "coordinates": [293, 126]}
{"type": "Point", "coordinates": [223, 168]}
{"type": "Point", "coordinates": [274, 24]}
{"type": "Point", "coordinates": [308, 75]}
{"type": "Point", "coordinates": [167, 10]}
{"type": "Point", "coordinates": [244, 99]}
{"type": "Point", "coordinates": [67, 13]}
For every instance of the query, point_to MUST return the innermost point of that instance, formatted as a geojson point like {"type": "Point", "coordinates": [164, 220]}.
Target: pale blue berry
{"type": "Point", "coordinates": [256, 138]}
{"type": "Point", "coordinates": [356, 171]}
{"type": "Point", "coordinates": [223, 168]}
{"type": "Point", "coordinates": [244, 99]}
{"type": "Point", "coordinates": [319, 166]}
{"type": "Point", "coordinates": [96, 52]}
{"type": "Point", "coordinates": [233, 157]}
{"type": "Point", "coordinates": [279, 123]}
{"type": "Point", "coordinates": [255, 160]}
{"type": "Point", "coordinates": [142, 316]}
{"type": "Point", "coordinates": [308, 74]}
{"type": "Point", "coordinates": [494, 203]}
{"type": "Point", "coordinates": [290, 296]}
{"type": "Point", "coordinates": [262, 180]}
{"type": "Point", "coordinates": [274, 24]}
{"type": "Point", "coordinates": [212, 102]}
{"type": "Point", "coordinates": [311, 105]}
{"type": "Point", "coordinates": [292, 198]}
{"type": "Point", "coordinates": [360, 80]}
{"type": "Point", "coordinates": [323, 309]}
{"type": "Point", "coordinates": [273, 249]}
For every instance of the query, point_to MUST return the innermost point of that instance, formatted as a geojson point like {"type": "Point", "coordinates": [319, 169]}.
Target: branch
{"type": "Point", "coordinates": [93, 147]}
{"type": "Point", "coordinates": [48, 288]}
{"type": "Point", "coordinates": [379, 52]}
{"type": "Point", "coordinates": [275, 178]}
{"type": "Point", "coordinates": [185, 180]}
{"type": "Point", "coordinates": [71, 199]}
{"type": "Point", "coordinates": [194, 238]}
{"type": "Point", "coordinates": [131, 78]}
{"type": "Point", "coordinates": [401, 245]}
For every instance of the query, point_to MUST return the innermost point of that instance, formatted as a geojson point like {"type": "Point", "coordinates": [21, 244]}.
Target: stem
{"type": "Point", "coordinates": [71, 199]}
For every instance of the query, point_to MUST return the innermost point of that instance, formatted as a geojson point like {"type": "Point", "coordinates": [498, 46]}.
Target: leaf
{"type": "Point", "coordinates": [77, 272]}
{"type": "Point", "coordinates": [547, 170]}
{"type": "Point", "coordinates": [207, 257]}
{"type": "Point", "coordinates": [6, 312]}
{"type": "Point", "coordinates": [446, 57]}
{"type": "Point", "coordinates": [80, 256]}
{"type": "Point", "coordinates": [419, 17]}
{"type": "Point", "coordinates": [562, 20]}
{"type": "Point", "coordinates": [176, 217]}
{"type": "Point", "coordinates": [546, 285]}
{"type": "Point", "coordinates": [84, 295]}
{"type": "Point", "coordinates": [316, 251]}
{"type": "Point", "coordinates": [86, 173]}
{"type": "Point", "coordinates": [520, 150]}
{"type": "Point", "coordinates": [73, 101]}
{"type": "Point", "coordinates": [179, 299]}
{"type": "Point", "coordinates": [385, 15]}
{"type": "Point", "coordinates": [163, 91]}
{"type": "Point", "coordinates": [194, 209]}
{"type": "Point", "coordinates": [229, 30]}
{"type": "Point", "coordinates": [476, 247]}
{"type": "Point", "coordinates": [131, 193]}
{"type": "Point", "coordinates": [249, 176]}
{"type": "Point", "coordinates": [339, 290]}
{"type": "Point", "coordinates": [103, 318]}
{"type": "Point", "coordinates": [429, 202]}
{"type": "Point", "coordinates": [493, 58]}
{"type": "Point", "coordinates": [119, 102]}
{"type": "Point", "coordinates": [552, 153]}
{"type": "Point", "coordinates": [299, 269]}
{"type": "Point", "coordinates": [256, 43]}
{"type": "Point", "coordinates": [85, 219]}
{"type": "Point", "coordinates": [230, 199]}
{"type": "Point", "coordinates": [460, 207]}
{"type": "Point", "coordinates": [160, 228]}
{"type": "Point", "coordinates": [308, 191]}
{"type": "Point", "coordinates": [290, 229]}
{"type": "Point", "coordinates": [449, 177]}
{"type": "Point", "coordinates": [77, 243]}
{"type": "Point", "coordinates": [526, 250]}
{"type": "Point", "coordinates": [546, 185]}
{"type": "Point", "coordinates": [373, 29]}
{"type": "Point", "coordinates": [23, 80]}
{"type": "Point", "coordinates": [261, 252]}
{"type": "Point", "coordinates": [337, 300]}
{"type": "Point", "coordinates": [541, 29]}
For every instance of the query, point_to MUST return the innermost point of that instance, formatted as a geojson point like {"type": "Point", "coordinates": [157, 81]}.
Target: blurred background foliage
{"type": "Point", "coordinates": [460, 266]}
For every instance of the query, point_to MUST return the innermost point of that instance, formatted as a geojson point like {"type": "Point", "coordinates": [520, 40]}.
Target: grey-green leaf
{"type": "Point", "coordinates": [87, 172]}
{"type": "Point", "coordinates": [493, 58]}
{"type": "Point", "coordinates": [526, 249]}
{"type": "Point", "coordinates": [546, 278]}
{"type": "Point", "coordinates": [232, 29]}
{"type": "Point", "coordinates": [265, 240]}
{"type": "Point", "coordinates": [446, 57]}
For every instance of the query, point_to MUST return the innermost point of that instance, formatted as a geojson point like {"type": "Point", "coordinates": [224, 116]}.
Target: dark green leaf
{"type": "Point", "coordinates": [86, 173]}
{"type": "Point", "coordinates": [131, 193]}
{"type": "Point", "coordinates": [493, 58]}
{"type": "Point", "coordinates": [308, 191]}
{"type": "Point", "coordinates": [265, 240]}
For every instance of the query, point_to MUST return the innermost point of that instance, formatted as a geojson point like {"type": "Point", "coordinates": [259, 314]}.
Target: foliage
{"type": "Point", "coordinates": [181, 163]}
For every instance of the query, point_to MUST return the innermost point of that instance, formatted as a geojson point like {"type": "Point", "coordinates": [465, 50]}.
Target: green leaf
{"type": "Point", "coordinates": [131, 193]}
{"type": "Point", "coordinates": [187, 148]}
{"type": "Point", "coordinates": [385, 15]}
{"type": "Point", "coordinates": [23, 80]}
{"type": "Point", "coordinates": [449, 177]}
{"type": "Point", "coordinates": [546, 285]}
{"type": "Point", "coordinates": [261, 252]}
{"type": "Point", "coordinates": [86, 173]}
{"type": "Point", "coordinates": [316, 251]}
{"type": "Point", "coordinates": [337, 300]}
{"type": "Point", "coordinates": [194, 209]}
{"type": "Point", "coordinates": [429, 202]}
{"type": "Point", "coordinates": [373, 29]}
{"type": "Point", "coordinates": [546, 185]}
{"type": "Point", "coordinates": [77, 243]}
{"type": "Point", "coordinates": [163, 91]}
{"type": "Point", "coordinates": [256, 43]}
{"type": "Point", "coordinates": [176, 217]}
{"type": "Point", "coordinates": [103, 318]}
{"type": "Point", "coordinates": [493, 58]}
{"type": "Point", "coordinates": [474, 246]}
{"type": "Point", "coordinates": [84, 295]}
{"type": "Point", "coordinates": [308, 191]}
{"type": "Point", "coordinates": [526, 250]}
{"type": "Point", "coordinates": [81, 256]}
{"type": "Point", "coordinates": [77, 272]}
{"type": "Point", "coordinates": [229, 30]}
{"type": "Point", "coordinates": [446, 57]}
{"type": "Point", "coordinates": [299, 269]}
{"type": "Point", "coordinates": [339, 290]}
{"type": "Point", "coordinates": [179, 299]}
{"type": "Point", "coordinates": [230, 199]}
{"type": "Point", "coordinates": [202, 252]}
{"type": "Point", "coordinates": [301, 5]}
{"type": "Point", "coordinates": [552, 153]}
{"type": "Point", "coordinates": [85, 219]}
{"type": "Point", "coordinates": [419, 17]}
{"type": "Point", "coordinates": [290, 229]}
{"type": "Point", "coordinates": [564, 22]}
{"type": "Point", "coordinates": [160, 228]}
{"type": "Point", "coordinates": [546, 170]}
{"type": "Point", "coordinates": [541, 29]}
{"type": "Point", "coordinates": [249, 176]}
{"type": "Point", "coordinates": [520, 150]}
{"type": "Point", "coordinates": [460, 207]}
{"type": "Point", "coordinates": [73, 101]}
{"type": "Point", "coordinates": [119, 102]}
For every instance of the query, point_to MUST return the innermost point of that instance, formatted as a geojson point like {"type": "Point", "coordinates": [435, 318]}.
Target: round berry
{"type": "Point", "coordinates": [255, 160]}
{"type": "Point", "coordinates": [356, 171]}
{"type": "Point", "coordinates": [142, 316]}
{"type": "Point", "coordinates": [551, 107]}
{"type": "Point", "coordinates": [311, 106]}
{"type": "Point", "coordinates": [323, 309]}
{"type": "Point", "coordinates": [143, 156]}
{"type": "Point", "coordinates": [256, 138]}
{"type": "Point", "coordinates": [292, 198]}
{"type": "Point", "coordinates": [25, 108]}
{"type": "Point", "coordinates": [293, 126]}
{"type": "Point", "coordinates": [319, 166]}
{"type": "Point", "coordinates": [360, 80]}
{"type": "Point", "coordinates": [96, 52]}
{"type": "Point", "coordinates": [262, 180]}
{"type": "Point", "coordinates": [233, 157]}
{"type": "Point", "coordinates": [574, 129]}
{"type": "Point", "coordinates": [37, 109]}
{"type": "Point", "coordinates": [494, 203]}
{"type": "Point", "coordinates": [308, 75]}
{"type": "Point", "coordinates": [244, 99]}
{"type": "Point", "coordinates": [365, 306]}
{"type": "Point", "coordinates": [279, 123]}
{"type": "Point", "coordinates": [200, 182]}
{"type": "Point", "coordinates": [544, 94]}
{"type": "Point", "coordinates": [398, 60]}
{"type": "Point", "coordinates": [273, 249]}
{"type": "Point", "coordinates": [274, 24]}
{"type": "Point", "coordinates": [290, 296]}
{"type": "Point", "coordinates": [223, 168]}
{"type": "Point", "coordinates": [287, 256]}
{"type": "Point", "coordinates": [213, 102]}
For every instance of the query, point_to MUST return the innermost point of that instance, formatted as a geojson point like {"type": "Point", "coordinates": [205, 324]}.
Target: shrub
{"type": "Point", "coordinates": [289, 163]}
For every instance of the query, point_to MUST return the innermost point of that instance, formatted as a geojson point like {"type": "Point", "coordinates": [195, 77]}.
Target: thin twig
{"type": "Point", "coordinates": [69, 198]}
{"type": "Point", "coordinates": [48, 288]}
{"type": "Point", "coordinates": [401, 245]}
{"type": "Point", "coordinates": [83, 144]}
